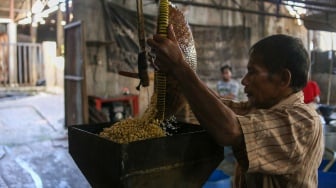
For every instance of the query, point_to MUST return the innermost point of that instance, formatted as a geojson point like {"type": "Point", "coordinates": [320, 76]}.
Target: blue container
{"type": "Point", "coordinates": [218, 180]}
{"type": "Point", "coordinates": [326, 179]}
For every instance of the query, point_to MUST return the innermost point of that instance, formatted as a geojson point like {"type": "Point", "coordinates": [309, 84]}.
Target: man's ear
{"type": "Point", "coordinates": [286, 78]}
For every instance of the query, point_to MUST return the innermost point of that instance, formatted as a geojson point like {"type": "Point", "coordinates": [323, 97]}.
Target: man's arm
{"type": "Point", "coordinates": [210, 111]}
{"type": "Point", "coordinates": [217, 118]}
{"type": "Point", "coordinates": [230, 96]}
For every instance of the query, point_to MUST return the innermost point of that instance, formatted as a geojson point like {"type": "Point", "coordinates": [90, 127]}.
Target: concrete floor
{"type": "Point", "coordinates": [34, 144]}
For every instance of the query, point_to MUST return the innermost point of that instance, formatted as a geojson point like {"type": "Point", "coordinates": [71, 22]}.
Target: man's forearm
{"type": "Point", "coordinates": [217, 118]}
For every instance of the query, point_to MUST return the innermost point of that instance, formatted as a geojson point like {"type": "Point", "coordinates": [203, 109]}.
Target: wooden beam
{"type": "Point", "coordinates": [11, 10]}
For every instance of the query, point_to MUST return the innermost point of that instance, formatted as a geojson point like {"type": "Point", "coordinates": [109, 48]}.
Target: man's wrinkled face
{"type": "Point", "coordinates": [226, 74]}
{"type": "Point", "coordinates": [261, 87]}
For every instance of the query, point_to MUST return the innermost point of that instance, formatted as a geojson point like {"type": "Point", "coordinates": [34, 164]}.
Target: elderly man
{"type": "Point", "coordinates": [276, 138]}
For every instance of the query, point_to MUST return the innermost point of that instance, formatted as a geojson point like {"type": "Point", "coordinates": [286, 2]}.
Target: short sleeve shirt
{"type": "Point", "coordinates": [283, 146]}
{"type": "Point", "coordinates": [227, 88]}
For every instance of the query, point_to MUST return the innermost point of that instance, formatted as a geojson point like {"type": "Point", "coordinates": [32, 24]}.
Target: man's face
{"type": "Point", "coordinates": [262, 89]}
{"type": "Point", "coordinates": [226, 74]}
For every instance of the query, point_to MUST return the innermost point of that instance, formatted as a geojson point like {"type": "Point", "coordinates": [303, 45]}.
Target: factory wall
{"type": "Point", "coordinates": [102, 82]}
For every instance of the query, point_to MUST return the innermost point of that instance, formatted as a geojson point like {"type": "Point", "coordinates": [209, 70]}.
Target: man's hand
{"type": "Point", "coordinates": [169, 56]}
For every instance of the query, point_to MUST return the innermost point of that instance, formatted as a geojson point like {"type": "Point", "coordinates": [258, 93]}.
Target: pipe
{"type": "Point", "coordinates": [67, 12]}
{"type": "Point", "coordinates": [331, 58]}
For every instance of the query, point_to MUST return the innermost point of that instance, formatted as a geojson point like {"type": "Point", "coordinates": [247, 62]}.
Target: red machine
{"type": "Point", "coordinates": [117, 108]}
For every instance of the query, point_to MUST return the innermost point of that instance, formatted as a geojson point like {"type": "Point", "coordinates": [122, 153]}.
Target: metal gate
{"type": "Point", "coordinates": [21, 64]}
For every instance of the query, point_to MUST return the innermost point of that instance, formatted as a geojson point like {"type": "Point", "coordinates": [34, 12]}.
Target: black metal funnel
{"type": "Point", "coordinates": [185, 159]}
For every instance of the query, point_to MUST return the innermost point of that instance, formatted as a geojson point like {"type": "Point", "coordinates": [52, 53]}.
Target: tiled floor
{"type": "Point", "coordinates": [34, 144]}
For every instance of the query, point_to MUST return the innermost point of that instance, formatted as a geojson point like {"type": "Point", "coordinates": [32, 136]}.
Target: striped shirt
{"type": "Point", "coordinates": [283, 145]}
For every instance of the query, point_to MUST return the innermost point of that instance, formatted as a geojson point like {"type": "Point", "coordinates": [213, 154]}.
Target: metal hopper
{"type": "Point", "coordinates": [185, 159]}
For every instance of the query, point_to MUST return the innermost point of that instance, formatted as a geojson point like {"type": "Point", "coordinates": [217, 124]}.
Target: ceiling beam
{"type": "Point", "coordinates": [306, 6]}
{"type": "Point", "coordinates": [316, 3]}
{"type": "Point", "coordinates": [221, 7]}
{"type": "Point", "coordinates": [249, 11]}
{"type": "Point", "coordinates": [15, 10]}
{"type": "Point", "coordinates": [306, 2]}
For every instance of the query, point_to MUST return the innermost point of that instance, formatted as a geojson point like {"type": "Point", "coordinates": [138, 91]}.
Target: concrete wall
{"type": "Point", "coordinates": [103, 83]}
{"type": "Point", "coordinates": [322, 80]}
{"type": "Point", "coordinates": [100, 82]}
